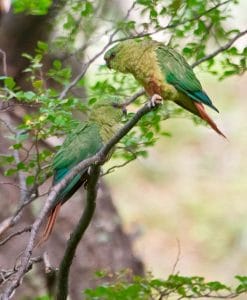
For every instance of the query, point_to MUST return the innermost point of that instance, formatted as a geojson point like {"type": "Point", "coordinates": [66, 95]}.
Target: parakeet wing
{"type": "Point", "coordinates": [180, 74]}
{"type": "Point", "coordinates": [82, 143]}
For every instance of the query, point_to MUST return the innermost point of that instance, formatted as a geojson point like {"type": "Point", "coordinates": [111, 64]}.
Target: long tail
{"type": "Point", "coordinates": [203, 114]}
{"type": "Point", "coordinates": [64, 196]}
{"type": "Point", "coordinates": [50, 224]}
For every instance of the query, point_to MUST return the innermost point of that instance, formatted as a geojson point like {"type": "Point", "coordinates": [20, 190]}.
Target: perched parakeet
{"type": "Point", "coordinates": [162, 71]}
{"type": "Point", "coordinates": [85, 141]}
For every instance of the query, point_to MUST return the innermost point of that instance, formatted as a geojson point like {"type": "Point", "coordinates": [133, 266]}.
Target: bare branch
{"type": "Point", "coordinates": [85, 220]}
{"type": "Point", "coordinates": [26, 229]}
{"type": "Point", "coordinates": [177, 258]}
{"type": "Point", "coordinates": [47, 263]}
{"type": "Point", "coordinates": [131, 99]}
{"type": "Point", "coordinates": [11, 221]}
{"type": "Point", "coordinates": [220, 49]}
{"type": "Point", "coordinates": [6, 274]}
{"type": "Point", "coordinates": [13, 184]}
{"type": "Point", "coordinates": [112, 169]}
{"type": "Point", "coordinates": [51, 274]}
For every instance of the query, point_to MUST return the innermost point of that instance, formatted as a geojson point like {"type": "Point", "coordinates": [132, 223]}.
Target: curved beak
{"type": "Point", "coordinates": [108, 63]}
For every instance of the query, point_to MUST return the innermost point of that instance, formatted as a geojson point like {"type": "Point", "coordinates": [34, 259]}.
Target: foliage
{"type": "Point", "coordinates": [174, 287]}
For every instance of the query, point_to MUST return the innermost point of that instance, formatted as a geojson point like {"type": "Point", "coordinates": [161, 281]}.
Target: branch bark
{"type": "Point", "coordinates": [85, 220]}
{"type": "Point", "coordinates": [220, 49]}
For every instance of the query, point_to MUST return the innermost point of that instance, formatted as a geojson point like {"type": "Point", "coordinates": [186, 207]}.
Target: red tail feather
{"type": "Point", "coordinates": [50, 224]}
{"type": "Point", "coordinates": [202, 112]}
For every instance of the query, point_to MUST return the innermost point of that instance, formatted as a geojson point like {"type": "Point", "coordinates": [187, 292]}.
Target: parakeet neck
{"type": "Point", "coordinates": [141, 61]}
{"type": "Point", "coordinates": [107, 120]}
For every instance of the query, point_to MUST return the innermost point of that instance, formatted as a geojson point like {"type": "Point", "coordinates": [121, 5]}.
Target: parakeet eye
{"type": "Point", "coordinates": [113, 54]}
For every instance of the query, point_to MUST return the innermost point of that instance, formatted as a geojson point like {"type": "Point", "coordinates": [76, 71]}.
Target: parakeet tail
{"type": "Point", "coordinates": [203, 114]}
{"type": "Point", "coordinates": [50, 224]}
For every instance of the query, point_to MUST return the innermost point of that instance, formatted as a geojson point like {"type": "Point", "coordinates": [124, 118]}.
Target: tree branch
{"type": "Point", "coordinates": [6, 274]}
{"type": "Point", "coordinates": [131, 99]}
{"type": "Point", "coordinates": [25, 229]}
{"type": "Point", "coordinates": [85, 220]}
{"type": "Point", "coordinates": [113, 168]}
{"type": "Point", "coordinates": [174, 24]}
{"type": "Point", "coordinates": [98, 158]}
{"type": "Point", "coordinates": [220, 49]}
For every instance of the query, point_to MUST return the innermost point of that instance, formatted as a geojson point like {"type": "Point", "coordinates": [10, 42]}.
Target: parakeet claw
{"type": "Point", "coordinates": [155, 100]}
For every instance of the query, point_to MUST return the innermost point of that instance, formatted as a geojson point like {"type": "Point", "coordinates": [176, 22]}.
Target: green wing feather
{"type": "Point", "coordinates": [179, 73]}
{"type": "Point", "coordinates": [82, 143]}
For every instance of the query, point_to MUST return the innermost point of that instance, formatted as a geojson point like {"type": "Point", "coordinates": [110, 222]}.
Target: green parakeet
{"type": "Point", "coordinates": [85, 141]}
{"type": "Point", "coordinates": [162, 71]}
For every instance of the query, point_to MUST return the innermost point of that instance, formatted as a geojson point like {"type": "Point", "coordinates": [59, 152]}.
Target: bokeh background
{"type": "Point", "coordinates": [189, 195]}
{"type": "Point", "coordinates": [187, 200]}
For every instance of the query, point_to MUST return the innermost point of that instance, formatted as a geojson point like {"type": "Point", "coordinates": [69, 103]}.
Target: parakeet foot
{"type": "Point", "coordinates": [155, 100]}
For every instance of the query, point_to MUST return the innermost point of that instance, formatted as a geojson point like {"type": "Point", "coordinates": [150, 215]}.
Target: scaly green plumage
{"type": "Point", "coordinates": [85, 141]}
{"type": "Point", "coordinates": [163, 71]}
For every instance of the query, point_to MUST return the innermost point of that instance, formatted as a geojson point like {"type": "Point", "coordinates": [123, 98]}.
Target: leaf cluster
{"type": "Point", "coordinates": [173, 287]}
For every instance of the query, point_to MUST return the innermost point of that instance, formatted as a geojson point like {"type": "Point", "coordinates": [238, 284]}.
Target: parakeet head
{"type": "Point", "coordinates": [110, 55]}
{"type": "Point", "coordinates": [107, 108]}
{"type": "Point", "coordinates": [125, 56]}
{"type": "Point", "coordinates": [119, 56]}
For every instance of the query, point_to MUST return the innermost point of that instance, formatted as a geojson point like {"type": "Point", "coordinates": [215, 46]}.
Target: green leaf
{"type": "Point", "coordinates": [9, 83]}
{"type": "Point", "coordinates": [17, 146]}
{"type": "Point", "coordinates": [34, 7]}
{"type": "Point", "coordinates": [57, 64]}
{"type": "Point", "coordinates": [42, 47]}
{"type": "Point", "coordinates": [29, 95]}
{"type": "Point", "coordinates": [30, 180]}
{"type": "Point", "coordinates": [88, 9]}
{"type": "Point", "coordinates": [10, 172]}
{"type": "Point", "coordinates": [21, 166]}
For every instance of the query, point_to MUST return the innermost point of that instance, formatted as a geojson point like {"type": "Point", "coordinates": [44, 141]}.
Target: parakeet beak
{"type": "Point", "coordinates": [124, 110]}
{"type": "Point", "coordinates": [123, 107]}
{"type": "Point", "coordinates": [108, 63]}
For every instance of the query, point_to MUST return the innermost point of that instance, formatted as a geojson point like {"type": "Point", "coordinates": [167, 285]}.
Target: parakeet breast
{"type": "Point", "coordinates": [144, 65]}
{"type": "Point", "coordinates": [107, 131]}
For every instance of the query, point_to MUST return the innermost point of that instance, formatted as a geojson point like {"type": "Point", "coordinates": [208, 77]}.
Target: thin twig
{"type": "Point", "coordinates": [26, 229]}
{"type": "Point", "coordinates": [11, 221]}
{"type": "Point", "coordinates": [6, 274]}
{"type": "Point", "coordinates": [21, 175]}
{"type": "Point", "coordinates": [175, 24]}
{"type": "Point", "coordinates": [112, 169]}
{"type": "Point", "coordinates": [47, 263]}
{"type": "Point", "coordinates": [131, 99]}
{"type": "Point", "coordinates": [16, 154]}
{"type": "Point", "coordinates": [177, 257]}
{"type": "Point", "coordinates": [85, 220]}
{"type": "Point", "coordinates": [11, 183]}
{"type": "Point", "coordinates": [220, 49]}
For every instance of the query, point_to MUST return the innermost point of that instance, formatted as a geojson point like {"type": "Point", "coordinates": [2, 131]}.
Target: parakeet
{"type": "Point", "coordinates": [85, 141]}
{"type": "Point", "coordinates": [162, 71]}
